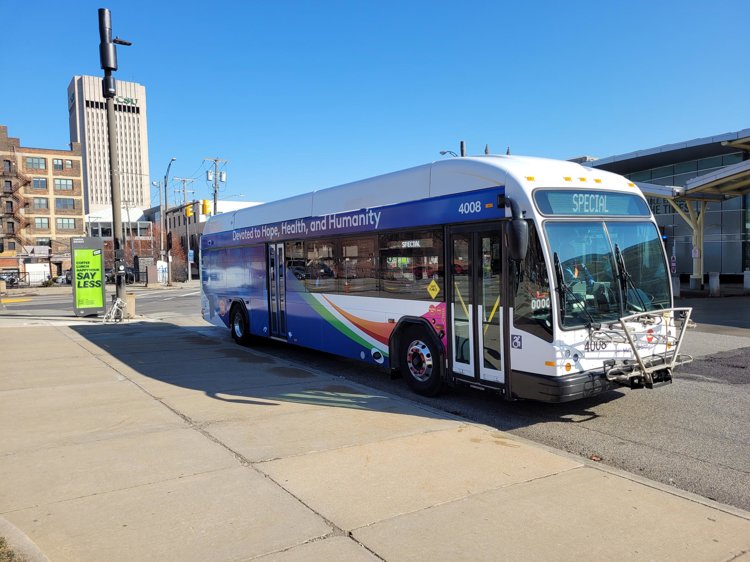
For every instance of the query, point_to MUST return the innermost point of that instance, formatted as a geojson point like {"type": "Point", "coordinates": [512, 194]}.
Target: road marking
{"type": "Point", "coordinates": [6, 301]}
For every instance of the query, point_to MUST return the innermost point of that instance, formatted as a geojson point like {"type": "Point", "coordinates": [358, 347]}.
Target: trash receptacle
{"type": "Point", "coordinates": [713, 284]}
{"type": "Point", "coordinates": [676, 286]}
{"type": "Point", "coordinates": [130, 305]}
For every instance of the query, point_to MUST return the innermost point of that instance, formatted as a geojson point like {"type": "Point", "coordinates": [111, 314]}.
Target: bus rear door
{"type": "Point", "coordinates": [276, 290]}
{"type": "Point", "coordinates": [475, 300]}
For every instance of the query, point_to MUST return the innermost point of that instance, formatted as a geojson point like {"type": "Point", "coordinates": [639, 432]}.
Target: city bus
{"type": "Point", "coordinates": [536, 278]}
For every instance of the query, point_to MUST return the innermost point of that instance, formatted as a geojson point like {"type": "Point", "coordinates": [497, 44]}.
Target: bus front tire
{"type": "Point", "coordinates": [239, 326]}
{"type": "Point", "coordinates": [420, 363]}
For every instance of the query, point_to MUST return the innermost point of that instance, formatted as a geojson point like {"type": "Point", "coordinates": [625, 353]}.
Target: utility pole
{"type": "Point", "coordinates": [108, 59]}
{"type": "Point", "coordinates": [165, 223]}
{"type": "Point", "coordinates": [186, 181]}
{"type": "Point", "coordinates": [216, 180]}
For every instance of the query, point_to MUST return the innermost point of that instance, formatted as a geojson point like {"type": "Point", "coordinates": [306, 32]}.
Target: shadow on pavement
{"type": "Point", "coordinates": [172, 358]}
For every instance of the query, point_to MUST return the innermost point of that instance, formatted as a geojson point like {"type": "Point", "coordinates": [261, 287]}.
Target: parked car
{"type": "Point", "coordinates": [109, 275]}
{"type": "Point", "coordinates": [11, 280]}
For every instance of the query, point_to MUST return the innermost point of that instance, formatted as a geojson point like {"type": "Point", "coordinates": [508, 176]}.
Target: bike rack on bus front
{"type": "Point", "coordinates": [653, 368]}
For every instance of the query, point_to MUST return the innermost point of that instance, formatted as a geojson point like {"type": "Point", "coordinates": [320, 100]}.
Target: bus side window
{"type": "Point", "coordinates": [321, 266]}
{"type": "Point", "coordinates": [411, 265]}
{"type": "Point", "coordinates": [533, 305]}
{"type": "Point", "coordinates": [294, 254]}
{"type": "Point", "coordinates": [358, 271]}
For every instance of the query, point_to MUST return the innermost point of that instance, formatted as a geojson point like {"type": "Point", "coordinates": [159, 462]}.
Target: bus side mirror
{"type": "Point", "coordinates": [517, 231]}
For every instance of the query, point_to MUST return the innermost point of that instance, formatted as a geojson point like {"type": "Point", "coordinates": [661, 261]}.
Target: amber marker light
{"type": "Point", "coordinates": [567, 367]}
{"type": "Point", "coordinates": [549, 363]}
{"type": "Point", "coordinates": [530, 178]}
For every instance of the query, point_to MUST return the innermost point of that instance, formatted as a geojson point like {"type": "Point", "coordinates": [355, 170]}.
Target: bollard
{"type": "Point", "coordinates": [676, 286]}
{"type": "Point", "coordinates": [746, 283]}
{"type": "Point", "coordinates": [713, 284]}
{"type": "Point", "coordinates": [4, 288]}
{"type": "Point", "coordinates": [130, 305]}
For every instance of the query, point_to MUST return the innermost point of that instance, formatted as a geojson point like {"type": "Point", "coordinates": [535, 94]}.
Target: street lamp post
{"type": "Point", "coordinates": [157, 185]}
{"type": "Point", "coordinates": [164, 220]}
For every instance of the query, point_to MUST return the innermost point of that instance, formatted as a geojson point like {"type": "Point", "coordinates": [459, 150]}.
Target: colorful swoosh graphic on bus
{"type": "Point", "coordinates": [344, 325]}
{"type": "Point", "coordinates": [381, 331]}
{"type": "Point", "coordinates": [369, 333]}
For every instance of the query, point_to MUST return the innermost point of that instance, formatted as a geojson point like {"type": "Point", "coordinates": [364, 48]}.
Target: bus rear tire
{"type": "Point", "coordinates": [239, 325]}
{"type": "Point", "coordinates": [420, 363]}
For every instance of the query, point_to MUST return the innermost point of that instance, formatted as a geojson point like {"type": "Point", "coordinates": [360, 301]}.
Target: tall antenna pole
{"type": "Point", "coordinates": [216, 180]}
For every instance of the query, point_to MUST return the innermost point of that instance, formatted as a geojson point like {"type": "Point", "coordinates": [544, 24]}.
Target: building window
{"type": "Point", "coordinates": [11, 245]}
{"type": "Point", "coordinates": [66, 224]}
{"type": "Point", "coordinates": [9, 206]}
{"type": "Point", "coordinates": [63, 184]}
{"type": "Point", "coordinates": [36, 163]}
{"type": "Point", "coordinates": [6, 165]}
{"type": "Point", "coordinates": [40, 203]}
{"type": "Point", "coordinates": [57, 164]}
{"type": "Point", "coordinates": [39, 183]}
{"type": "Point", "coordinates": [42, 241]}
{"type": "Point", "coordinates": [68, 164]}
{"type": "Point", "coordinates": [65, 204]}
{"type": "Point", "coordinates": [7, 186]}
{"type": "Point", "coordinates": [41, 223]}
{"type": "Point", "coordinates": [11, 227]}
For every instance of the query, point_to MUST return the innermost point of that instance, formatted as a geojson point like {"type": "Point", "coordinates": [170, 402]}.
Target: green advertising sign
{"type": "Point", "coordinates": [88, 276]}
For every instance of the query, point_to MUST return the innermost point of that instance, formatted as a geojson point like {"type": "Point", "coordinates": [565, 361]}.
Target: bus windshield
{"type": "Point", "coordinates": [605, 270]}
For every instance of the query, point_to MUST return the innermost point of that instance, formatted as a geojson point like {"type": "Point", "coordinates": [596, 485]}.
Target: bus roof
{"type": "Point", "coordinates": [519, 175]}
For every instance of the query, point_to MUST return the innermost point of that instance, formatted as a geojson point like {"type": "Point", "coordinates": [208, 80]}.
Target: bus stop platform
{"type": "Point", "coordinates": [157, 441]}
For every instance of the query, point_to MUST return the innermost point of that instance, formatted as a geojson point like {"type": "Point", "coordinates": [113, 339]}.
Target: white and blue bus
{"type": "Point", "coordinates": [538, 278]}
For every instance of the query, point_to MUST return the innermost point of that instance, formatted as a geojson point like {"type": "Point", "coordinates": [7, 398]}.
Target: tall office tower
{"type": "Point", "coordinates": [88, 126]}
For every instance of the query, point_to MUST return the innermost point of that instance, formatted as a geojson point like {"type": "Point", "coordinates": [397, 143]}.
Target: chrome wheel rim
{"type": "Point", "coordinates": [238, 325]}
{"type": "Point", "coordinates": [419, 360]}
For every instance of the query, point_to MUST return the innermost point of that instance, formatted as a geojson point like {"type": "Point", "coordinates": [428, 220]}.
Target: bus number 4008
{"type": "Point", "coordinates": [469, 208]}
{"type": "Point", "coordinates": [594, 345]}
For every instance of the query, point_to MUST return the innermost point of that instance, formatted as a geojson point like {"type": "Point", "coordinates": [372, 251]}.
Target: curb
{"type": "Point", "coordinates": [20, 542]}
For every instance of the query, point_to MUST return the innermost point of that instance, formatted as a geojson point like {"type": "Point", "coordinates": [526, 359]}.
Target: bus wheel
{"type": "Point", "coordinates": [420, 363]}
{"type": "Point", "coordinates": [239, 326]}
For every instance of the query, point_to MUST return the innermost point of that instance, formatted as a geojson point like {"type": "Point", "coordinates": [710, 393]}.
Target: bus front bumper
{"type": "Point", "coordinates": [566, 388]}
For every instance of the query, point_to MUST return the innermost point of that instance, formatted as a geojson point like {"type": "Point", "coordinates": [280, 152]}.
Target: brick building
{"type": "Point", "coordinates": [42, 206]}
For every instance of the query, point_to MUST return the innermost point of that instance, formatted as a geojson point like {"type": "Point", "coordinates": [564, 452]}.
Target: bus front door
{"type": "Point", "coordinates": [276, 290]}
{"type": "Point", "coordinates": [476, 303]}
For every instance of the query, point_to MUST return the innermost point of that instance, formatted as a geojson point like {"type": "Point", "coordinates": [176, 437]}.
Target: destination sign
{"type": "Point", "coordinates": [590, 203]}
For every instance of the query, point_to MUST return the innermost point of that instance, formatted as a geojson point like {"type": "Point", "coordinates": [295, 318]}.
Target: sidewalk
{"type": "Point", "coordinates": [150, 441]}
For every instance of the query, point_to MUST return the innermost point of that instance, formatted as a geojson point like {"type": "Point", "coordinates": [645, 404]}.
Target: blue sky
{"type": "Point", "coordinates": [304, 95]}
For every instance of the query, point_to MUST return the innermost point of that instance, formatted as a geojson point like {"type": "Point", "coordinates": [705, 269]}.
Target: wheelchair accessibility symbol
{"type": "Point", "coordinates": [516, 342]}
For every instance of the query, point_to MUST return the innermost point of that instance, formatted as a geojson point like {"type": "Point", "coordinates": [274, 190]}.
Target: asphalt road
{"type": "Point", "coordinates": [693, 434]}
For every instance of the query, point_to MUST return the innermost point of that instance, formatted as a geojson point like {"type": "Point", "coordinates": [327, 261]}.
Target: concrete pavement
{"type": "Point", "coordinates": [148, 440]}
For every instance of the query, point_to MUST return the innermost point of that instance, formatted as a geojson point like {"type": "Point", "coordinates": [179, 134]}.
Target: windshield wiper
{"type": "Point", "coordinates": [626, 280]}
{"type": "Point", "coordinates": [565, 290]}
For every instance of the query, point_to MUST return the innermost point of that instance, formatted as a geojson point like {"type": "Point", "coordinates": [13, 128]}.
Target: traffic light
{"type": "Point", "coordinates": [189, 210]}
{"type": "Point", "coordinates": [205, 207]}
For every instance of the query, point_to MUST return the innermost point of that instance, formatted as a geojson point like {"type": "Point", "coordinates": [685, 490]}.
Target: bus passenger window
{"type": "Point", "coordinates": [358, 267]}
{"type": "Point", "coordinates": [411, 265]}
{"type": "Point", "coordinates": [533, 305]}
{"type": "Point", "coordinates": [294, 254]}
{"type": "Point", "coordinates": [321, 266]}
